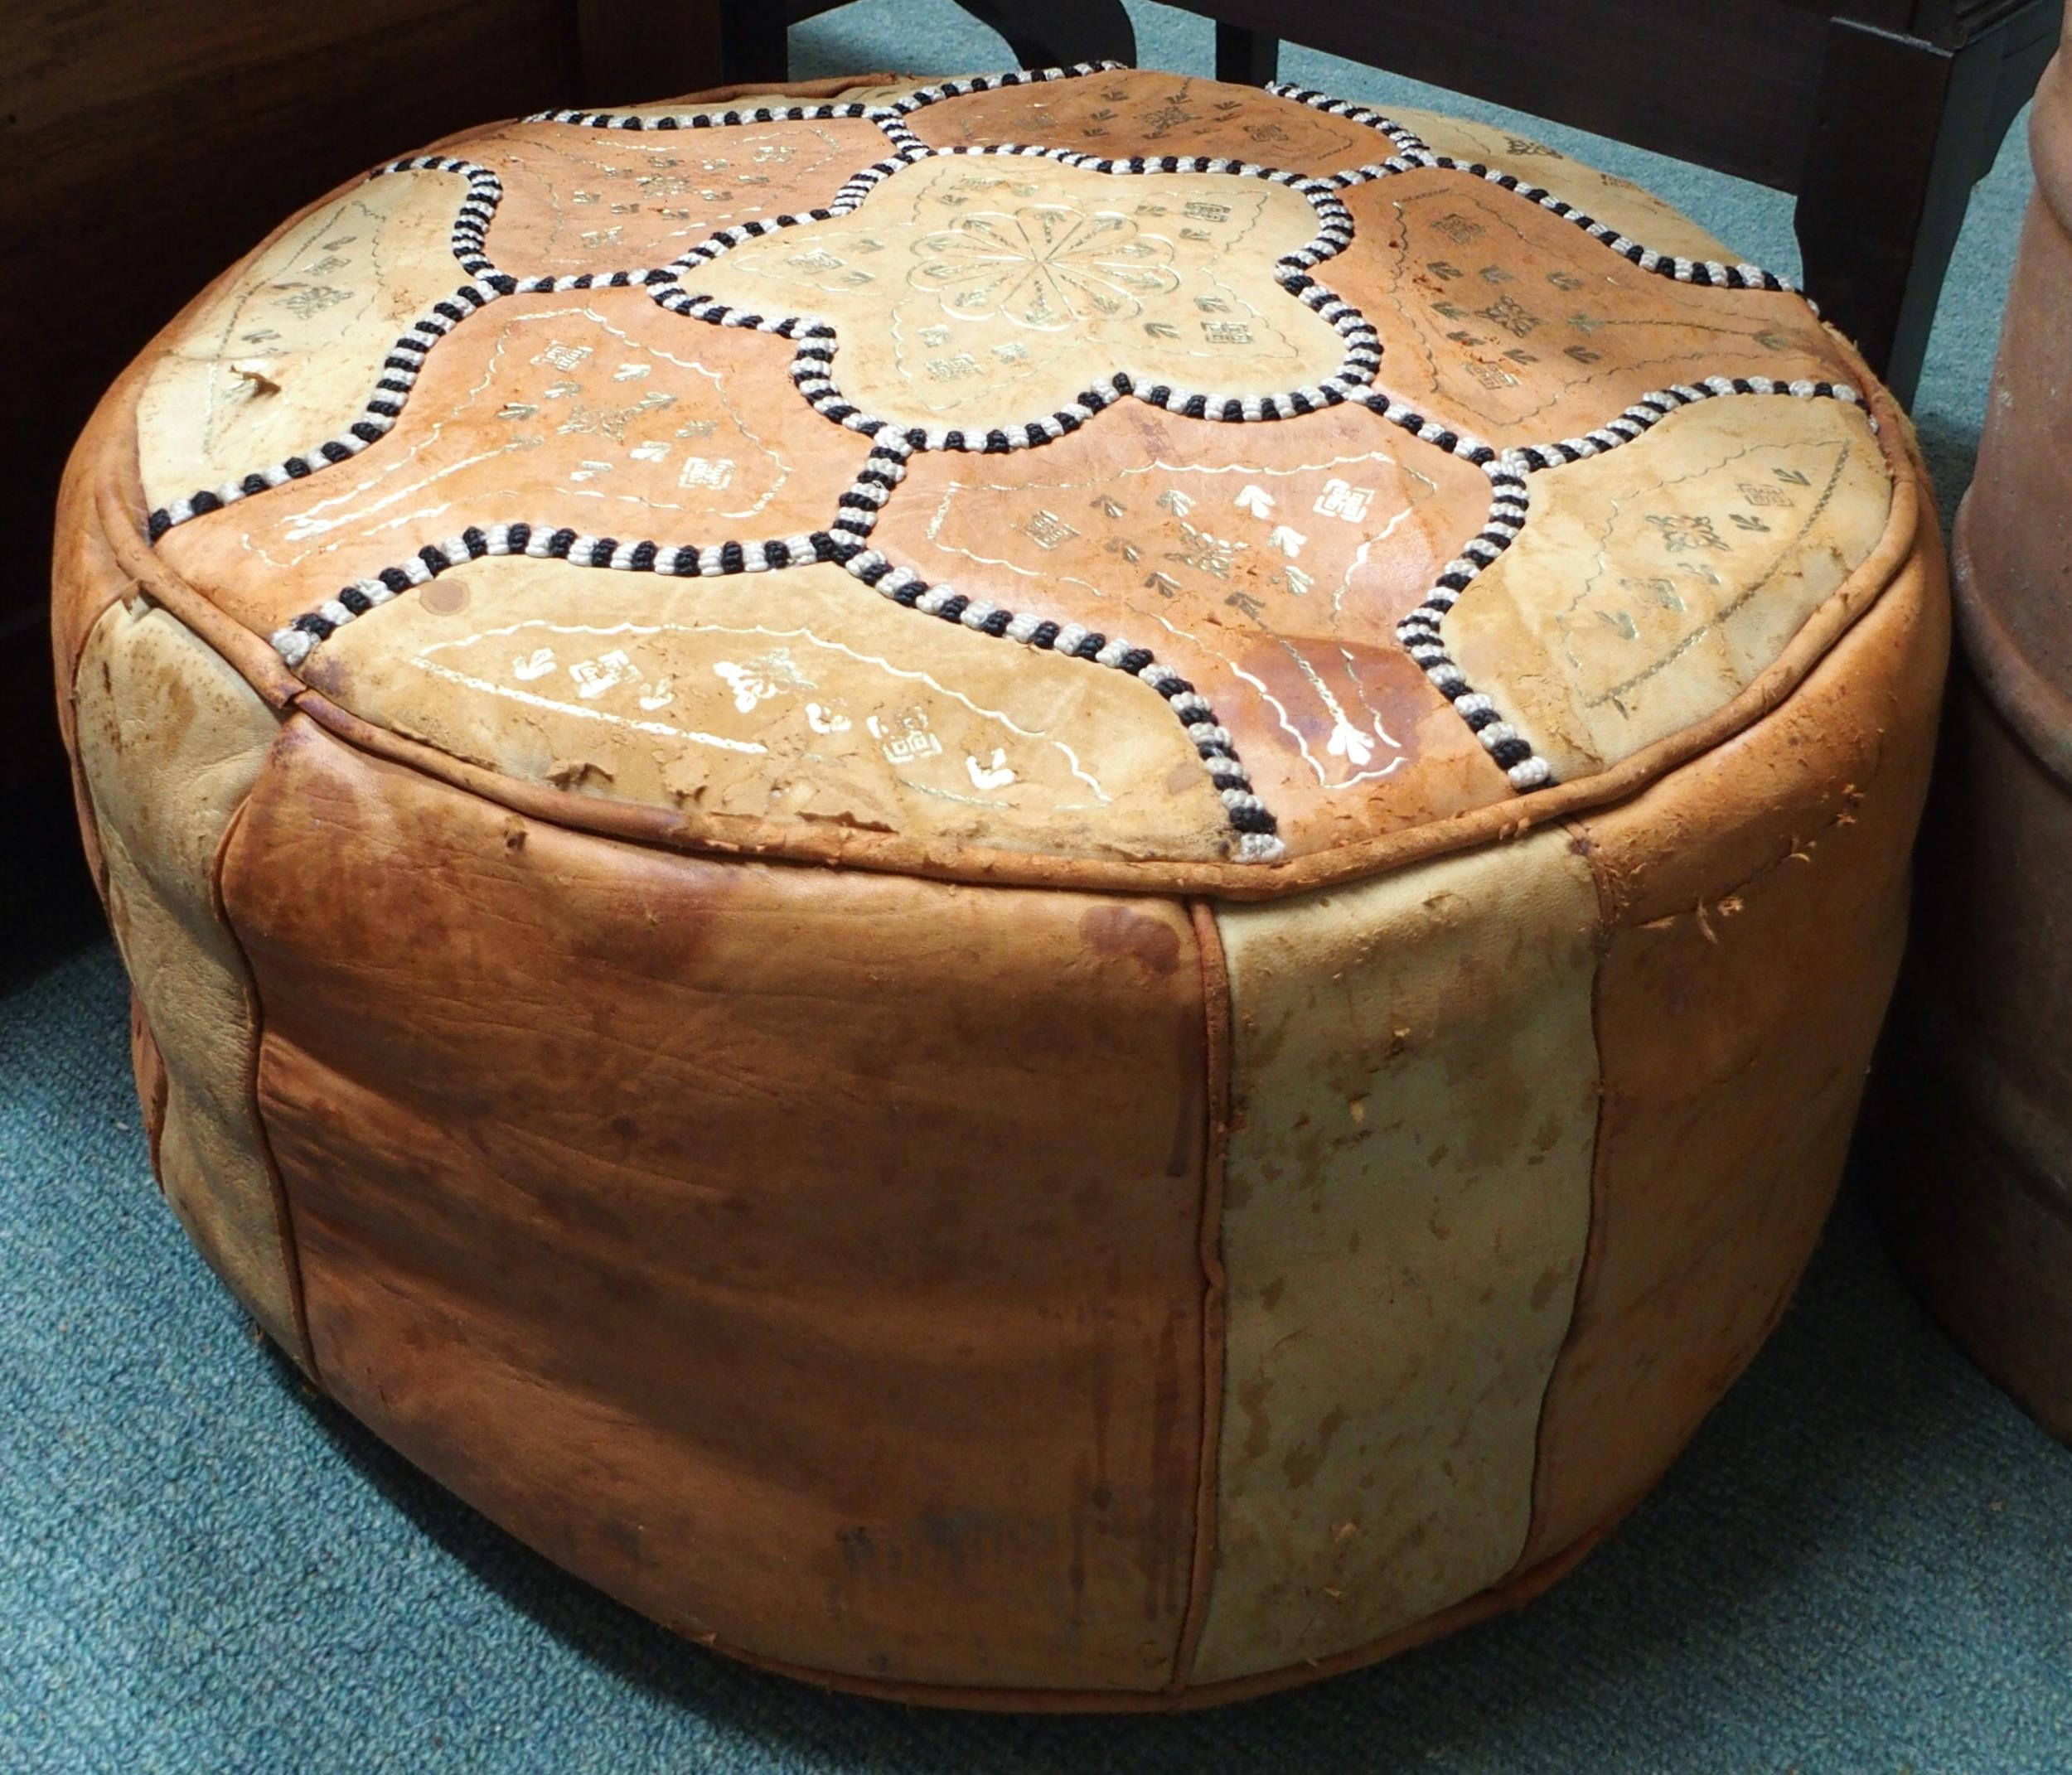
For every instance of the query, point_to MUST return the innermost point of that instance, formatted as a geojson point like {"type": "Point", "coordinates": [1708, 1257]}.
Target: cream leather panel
{"type": "Point", "coordinates": [1635, 212]}
{"type": "Point", "coordinates": [286, 354]}
{"type": "Point", "coordinates": [170, 740]}
{"type": "Point", "coordinates": [595, 408]}
{"type": "Point", "coordinates": [801, 695]}
{"type": "Point", "coordinates": [1652, 583]}
{"type": "Point", "coordinates": [581, 199]}
{"type": "Point", "coordinates": [983, 292]}
{"type": "Point", "coordinates": [1407, 1203]}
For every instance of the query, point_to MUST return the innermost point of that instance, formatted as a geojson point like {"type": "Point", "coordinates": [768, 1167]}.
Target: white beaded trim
{"type": "Point", "coordinates": [812, 366]}
{"type": "Point", "coordinates": [1412, 153]}
{"type": "Point", "coordinates": [845, 541]}
{"type": "Point", "coordinates": [1420, 632]}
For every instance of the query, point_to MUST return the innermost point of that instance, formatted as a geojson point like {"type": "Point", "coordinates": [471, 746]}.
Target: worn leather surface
{"type": "Point", "coordinates": [1155, 524]}
{"type": "Point", "coordinates": [1268, 563]}
{"type": "Point", "coordinates": [823, 707]}
{"type": "Point", "coordinates": [926, 1273]}
{"type": "Point", "coordinates": [1755, 905]}
{"type": "Point", "coordinates": [286, 354]}
{"type": "Point", "coordinates": [1653, 583]}
{"type": "Point", "coordinates": [1632, 208]}
{"type": "Point", "coordinates": [1406, 1198]}
{"type": "Point", "coordinates": [809, 1259]}
{"type": "Point", "coordinates": [170, 740]}
{"type": "Point", "coordinates": [1496, 320]}
{"type": "Point", "coordinates": [596, 404]}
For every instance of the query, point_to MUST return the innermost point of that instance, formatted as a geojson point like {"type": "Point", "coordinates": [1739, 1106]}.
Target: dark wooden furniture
{"type": "Point", "coordinates": [1880, 115]}
{"type": "Point", "coordinates": [143, 145]}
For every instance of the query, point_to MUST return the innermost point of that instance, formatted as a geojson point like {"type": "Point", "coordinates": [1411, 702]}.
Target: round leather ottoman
{"type": "Point", "coordinates": [1060, 891]}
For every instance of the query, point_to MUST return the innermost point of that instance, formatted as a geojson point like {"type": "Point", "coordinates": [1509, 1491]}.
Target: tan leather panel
{"type": "Point", "coordinates": [169, 742]}
{"type": "Point", "coordinates": [594, 409]}
{"type": "Point", "coordinates": [1635, 212]}
{"type": "Point", "coordinates": [578, 199]}
{"type": "Point", "coordinates": [800, 695]}
{"type": "Point", "coordinates": [149, 1066]}
{"type": "Point", "coordinates": [1268, 564]}
{"type": "Point", "coordinates": [989, 292]}
{"type": "Point", "coordinates": [286, 353]}
{"type": "Point", "coordinates": [1406, 1200]}
{"type": "Point", "coordinates": [1652, 583]}
{"type": "Point", "coordinates": [807, 1257]}
{"type": "Point", "coordinates": [843, 88]}
{"type": "Point", "coordinates": [1757, 899]}
{"type": "Point", "coordinates": [1129, 111]}
{"type": "Point", "coordinates": [1510, 323]}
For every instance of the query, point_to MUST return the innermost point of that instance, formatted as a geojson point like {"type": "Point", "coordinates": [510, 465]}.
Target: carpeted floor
{"type": "Point", "coordinates": [1865, 1563]}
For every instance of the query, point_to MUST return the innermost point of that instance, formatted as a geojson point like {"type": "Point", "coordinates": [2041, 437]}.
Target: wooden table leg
{"type": "Point", "coordinates": [752, 41]}
{"type": "Point", "coordinates": [1056, 33]}
{"type": "Point", "coordinates": [1904, 129]}
{"type": "Point", "coordinates": [1251, 58]}
{"type": "Point", "coordinates": [631, 49]}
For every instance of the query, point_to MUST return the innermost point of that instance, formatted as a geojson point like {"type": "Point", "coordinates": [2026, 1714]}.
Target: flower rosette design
{"type": "Point", "coordinates": [1045, 266]}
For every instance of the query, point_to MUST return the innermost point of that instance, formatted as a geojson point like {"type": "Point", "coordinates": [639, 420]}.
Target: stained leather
{"type": "Point", "coordinates": [777, 1249]}
{"type": "Point", "coordinates": [963, 292]}
{"type": "Point", "coordinates": [170, 741]}
{"type": "Point", "coordinates": [1654, 583]}
{"type": "Point", "coordinates": [1406, 1198]}
{"type": "Point", "coordinates": [1757, 904]}
{"type": "Point", "coordinates": [900, 1272]}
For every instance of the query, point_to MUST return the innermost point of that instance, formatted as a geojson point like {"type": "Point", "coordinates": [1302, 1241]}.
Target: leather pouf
{"type": "Point", "coordinates": [1976, 1124]}
{"type": "Point", "coordinates": [1083, 924]}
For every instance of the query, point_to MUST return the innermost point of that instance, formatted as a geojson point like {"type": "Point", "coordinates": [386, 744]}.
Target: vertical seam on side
{"type": "Point", "coordinates": [283, 1208]}
{"type": "Point", "coordinates": [1208, 944]}
{"type": "Point", "coordinates": [1529, 1553]}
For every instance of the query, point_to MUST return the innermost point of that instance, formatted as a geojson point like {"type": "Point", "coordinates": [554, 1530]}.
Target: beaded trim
{"type": "Point", "coordinates": [812, 367]}
{"type": "Point", "coordinates": [1420, 632]}
{"type": "Point", "coordinates": [1412, 153]}
{"type": "Point", "coordinates": [405, 362]}
{"type": "Point", "coordinates": [846, 541]}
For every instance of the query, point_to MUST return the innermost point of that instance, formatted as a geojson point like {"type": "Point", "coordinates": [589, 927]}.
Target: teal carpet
{"type": "Point", "coordinates": [1864, 1565]}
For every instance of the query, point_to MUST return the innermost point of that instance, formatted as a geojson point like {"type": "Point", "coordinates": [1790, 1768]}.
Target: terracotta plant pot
{"type": "Point", "coordinates": [1979, 1194]}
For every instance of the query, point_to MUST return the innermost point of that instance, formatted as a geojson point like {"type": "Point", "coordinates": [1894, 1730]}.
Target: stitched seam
{"type": "Point", "coordinates": [1216, 1057]}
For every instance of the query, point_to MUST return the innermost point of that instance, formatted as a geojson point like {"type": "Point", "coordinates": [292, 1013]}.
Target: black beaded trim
{"type": "Point", "coordinates": [845, 543]}
{"type": "Point", "coordinates": [1412, 153]}
{"type": "Point", "coordinates": [1420, 632]}
{"type": "Point", "coordinates": [925, 96]}
{"type": "Point", "coordinates": [812, 368]}
{"type": "Point", "coordinates": [541, 542]}
{"type": "Point", "coordinates": [1257, 833]}
{"type": "Point", "coordinates": [726, 119]}
{"type": "Point", "coordinates": [886, 116]}
{"type": "Point", "coordinates": [405, 362]}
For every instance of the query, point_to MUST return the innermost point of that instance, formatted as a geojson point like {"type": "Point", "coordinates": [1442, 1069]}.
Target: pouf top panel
{"type": "Point", "coordinates": [1095, 469]}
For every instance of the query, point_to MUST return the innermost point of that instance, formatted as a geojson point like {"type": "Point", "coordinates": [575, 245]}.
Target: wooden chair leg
{"type": "Point", "coordinates": [753, 44]}
{"type": "Point", "coordinates": [1251, 58]}
{"type": "Point", "coordinates": [641, 49]}
{"type": "Point", "coordinates": [1904, 130]}
{"type": "Point", "coordinates": [1056, 33]}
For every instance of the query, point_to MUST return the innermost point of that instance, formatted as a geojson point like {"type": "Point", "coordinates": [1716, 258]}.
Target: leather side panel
{"type": "Point", "coordinates": [1406, 1201]}
{"type": "Point", "coordinates": [1757, 900]}
{"type": "Point", "coordinates": [810, 1259]}
{"type": "Point", "coordinates": [170, 740]}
